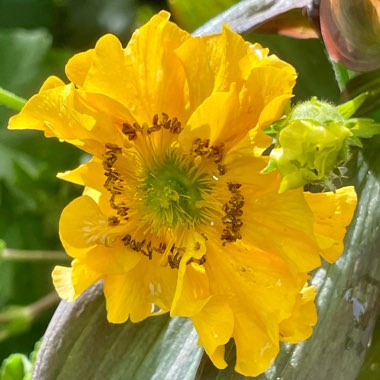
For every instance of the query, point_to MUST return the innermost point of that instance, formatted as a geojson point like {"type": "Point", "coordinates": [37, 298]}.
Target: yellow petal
{"type": "Point", "coordinates": [332, 212]}
{"type": "Point", "coordinates": [57, 112]}
{"type": "Point", "coordinates": [117, 259]}
{"type": "Point", "coordinates": [282, 224]}
{"type": "Point", "coordinates": [193, 292]}
{"type": "Point", "coordinates": [241, 160]}
{"type": "Point", "coordinates": [83, 225]}
{"type": "Point", "coordinates": [71, 282]}
{"type": "Point", "coordinates": [256, 345]}
{"type": "Point", "coordinates": [300, 325]}
{"type": "Point", "coordinates": [134, 294]}
{"type": "Point", "coordinates": [214, 324]}
{"type": "Point", "coordinates": [146, 77]}
{"type": "Point", "coordinates": [261, 291]}
{"type": "Point", "coordinates": [63, 283]}
{"type": "Point", "coordinates": [209, 67]}
{"type": "Point", "coordinates": [77, 67]}
{"type": "Point", "coordinates": [90, 174]}
{"type": "Point", "coordinates": [274, 83]}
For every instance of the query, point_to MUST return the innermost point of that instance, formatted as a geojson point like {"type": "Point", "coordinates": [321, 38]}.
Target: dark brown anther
{"type": "Point", "coordinates": [137, 126]}
{"type": "Point", "coordinates": [165, 117]}
{"type": "Point", "coordinates": [221, 169]}
{"type": "Point", "coordinates": [161, 248]}
{"type": "Point", "coordinates": [113, 221]}
{"type": "Point", "coordinates": [200, 261]}
{"type": "Point", "coordinates": [126, 239]}
{"type": "Point", "coordinates": [233, 186]}
{"type": "Point", "coordinates": [232, 220]}
{"type": "Point", "coordinates": [129, 131]}
{"type": "Point", "coordinates": [113, 147]}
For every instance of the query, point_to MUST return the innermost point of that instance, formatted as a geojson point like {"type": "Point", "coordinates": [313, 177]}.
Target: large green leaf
{"type": "Point", "coordinates": [81, 344]}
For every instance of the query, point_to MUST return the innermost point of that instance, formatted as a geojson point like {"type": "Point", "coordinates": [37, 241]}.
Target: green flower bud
{"type": "Point", "coordinates": [314, 140]}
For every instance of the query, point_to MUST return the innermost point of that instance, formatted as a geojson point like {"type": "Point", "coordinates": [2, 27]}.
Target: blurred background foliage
{"type": "Point", "coordinates": [36, 39]}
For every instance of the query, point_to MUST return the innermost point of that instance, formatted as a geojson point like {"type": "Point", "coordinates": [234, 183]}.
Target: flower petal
{"type": "Point", "coordinates": [71, 282]}
{"type": "Point", "coordinates": [208, 66]}
{"type": "Point", "coordinates": [146, 77]}
{"type": "Point", "coordinates": [214, 324]}
{"type": "Point", "coordinates": [300, 325]}
{"type": "Point", "coordinates": [82, 224]}
{"type": "Point", "coordinates": [134, 294]}
{"type": "Point", "coordinates": [261, 291]}
{"type": "Point", "coordinates": [282, 224]}
{"type": "Point", "coordinates": [57, 110]}
{"type": "Point", "coordinates": [90, 174]}
{"type": "Point", "coordinates": [332, 212]}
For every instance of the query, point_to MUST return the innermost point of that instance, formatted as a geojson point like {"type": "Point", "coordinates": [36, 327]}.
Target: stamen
{"type": "Point", "coordinates": [234, 210]}
{"type": "Point", "coordinates": [175, 256]}
{"type": "Point", "coordinates": [172, 125]}
{"type": "Point", "coordinates": [113, 221]}
{"type": "Point", "coordinates": [202, 148]}
{"type": "Point", "coordinates": [114, 183]}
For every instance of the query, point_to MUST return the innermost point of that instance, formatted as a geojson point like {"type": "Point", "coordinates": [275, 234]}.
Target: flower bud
{"type": "Point", "coordinates": [314, 140]}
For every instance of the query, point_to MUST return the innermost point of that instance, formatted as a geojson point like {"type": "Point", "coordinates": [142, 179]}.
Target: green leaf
{"type": "Point", "coordinates": [190, 14]}
{"type": "Point", "coordinates": [22, 55]}
{"type": "Point", "coordinates": [368, 83]}
{"type": "Point", "coordinates": [15, 367]}
{"type": "Point", "coordinates": [81, 344]}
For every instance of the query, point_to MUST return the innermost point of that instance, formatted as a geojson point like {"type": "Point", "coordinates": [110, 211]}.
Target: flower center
{"type": "Point", "coordinates": [174, 190]}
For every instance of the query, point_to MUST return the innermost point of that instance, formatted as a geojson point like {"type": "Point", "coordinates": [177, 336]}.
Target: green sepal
{"type": "Point", "coordinates": [349, 108]}
{"type": "Point", "coordinates": [363, 128]}
{"type": "Point", "coordinates": [354, 141]}
{"type": "Point", "coordinates": [270, 167]}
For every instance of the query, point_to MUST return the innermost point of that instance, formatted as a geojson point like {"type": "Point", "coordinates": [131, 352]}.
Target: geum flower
{"type": "Point", "coordinates": [175, 215]}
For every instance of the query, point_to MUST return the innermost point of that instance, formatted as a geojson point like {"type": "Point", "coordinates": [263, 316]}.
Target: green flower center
{"type": "Point", "coordinates": [173, 190]}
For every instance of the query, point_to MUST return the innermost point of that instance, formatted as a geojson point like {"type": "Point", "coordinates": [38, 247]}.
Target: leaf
{"type": "Point", "coordinates": [249, 14]}
{"type": "Point", "coordinates": [368, 83]}
{"type": "Point", "coordinates": [190, 14]}
{"type": "Point", "coordinates": [15, 367]}
{"type": "Point", "coordinates": [81, 344]}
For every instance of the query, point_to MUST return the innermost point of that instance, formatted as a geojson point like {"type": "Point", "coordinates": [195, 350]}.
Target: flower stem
{"type": "Point", "coordinates": [27, 255]}
{"type": "Point", "coordinates": [16, 319]}
{"type": "Point", "coordinates": [11, 100]}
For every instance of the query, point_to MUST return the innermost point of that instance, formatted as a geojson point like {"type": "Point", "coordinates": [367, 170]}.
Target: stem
{"type": "Point", "coordinates": [11, 100]}
{"type": "Point", "coordinates": [45, 303]}
{"type": "Point", "coordinates": [26, 255]}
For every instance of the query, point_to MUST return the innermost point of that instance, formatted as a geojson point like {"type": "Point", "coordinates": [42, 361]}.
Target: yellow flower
{"type": "Point", "coordinates": [176, 216]}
